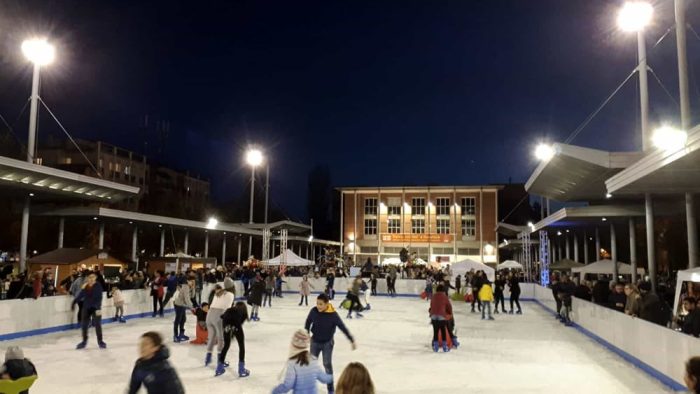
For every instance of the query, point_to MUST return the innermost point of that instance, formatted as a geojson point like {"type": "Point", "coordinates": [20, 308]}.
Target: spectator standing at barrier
{"type": "Point", "coordinates": [618, 299]}
{"type": "Point", "coordinates": [554, 285]}
{"type": "Point", "coordinates": [633, 305]}
{"type": "Point", "coordinates": [690, 323]}
{"type": "Point", "coordinates": [652, 308]}
{"type": "Point", "coordinates": [601, 291]}
{"type": "Point", "coordinates": [583, 292]}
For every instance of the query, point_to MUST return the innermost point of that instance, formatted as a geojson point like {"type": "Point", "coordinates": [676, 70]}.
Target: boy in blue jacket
{"type": "Point", "coordinates": [322, 322]}
{"type": "Point", "coordinates": [91, 297]}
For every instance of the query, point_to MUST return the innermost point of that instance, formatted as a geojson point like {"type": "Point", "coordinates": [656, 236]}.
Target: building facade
{"type": "Point", "coordinates": [163, 190]}
{"type": "Point", "coordinates": [445, 223]}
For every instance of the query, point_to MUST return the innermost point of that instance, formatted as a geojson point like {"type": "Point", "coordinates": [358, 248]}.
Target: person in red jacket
{"type": "Point", "coordinates": [440, 309]}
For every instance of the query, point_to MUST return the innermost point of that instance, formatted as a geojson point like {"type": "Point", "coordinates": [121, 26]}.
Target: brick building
{"type": "Point", "coordinates": [445, 223]}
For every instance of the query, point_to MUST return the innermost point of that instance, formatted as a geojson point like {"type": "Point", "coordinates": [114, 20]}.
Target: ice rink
{"type": "Point", "coordinates": [531, 353]}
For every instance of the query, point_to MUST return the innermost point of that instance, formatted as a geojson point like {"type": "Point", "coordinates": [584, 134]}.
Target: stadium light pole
{"type": "Point", "coordinates": [635, 17]}
{"type": "Point", "coordinates": [254, 158]}
{"type": "Point", "coordinates": [40, 53]}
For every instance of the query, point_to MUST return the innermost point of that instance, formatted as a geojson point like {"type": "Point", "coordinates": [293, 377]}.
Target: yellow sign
{"type": "Point", "coordinates": [417, 238]}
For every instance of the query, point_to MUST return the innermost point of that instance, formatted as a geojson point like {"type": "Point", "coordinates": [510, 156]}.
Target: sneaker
{"type": "Point", "coordinates": [81, 345]}
{"type": "Point", "coordinates": [102, 345]}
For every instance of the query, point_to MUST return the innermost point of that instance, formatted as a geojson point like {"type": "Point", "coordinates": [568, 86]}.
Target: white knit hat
{"type": "Point", "coordinates": [14, 353]}
{"type": "Point", "coordinates": [300, 343]}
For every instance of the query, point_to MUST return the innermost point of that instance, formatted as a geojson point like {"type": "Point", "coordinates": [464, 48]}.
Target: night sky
{"type": "Point", "coordinates": [382, 92]}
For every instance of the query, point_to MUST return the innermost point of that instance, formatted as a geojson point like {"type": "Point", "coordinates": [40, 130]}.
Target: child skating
{"type": "Point", "coordinates": [322, 322]}
{"type": "Point", "coordinates": [91, 297]}
{"type": "Point", "coordinates": [118, 300]}
{"type": "Point", "coordinates": [486, 297]}
{"type": "Point", "coordinates": [302, 371]}
{"type": "Point", "coordinates": [304, 290]}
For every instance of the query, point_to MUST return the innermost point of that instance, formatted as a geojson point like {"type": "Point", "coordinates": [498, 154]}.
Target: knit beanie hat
{"type": "Point", "coordinates": [228, 283]}
{"type": "Point", "coordinates": [300, 343]}
{"type": "Point", "coordinates": [14, 353]}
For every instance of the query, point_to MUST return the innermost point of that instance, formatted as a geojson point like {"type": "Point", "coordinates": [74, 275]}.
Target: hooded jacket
{"type": "Point", "coordinates": [323, 324]}
{"type": "Point", "coordinates": [156, 374]}
{"type": "Point", "coordinates": [486, 292]}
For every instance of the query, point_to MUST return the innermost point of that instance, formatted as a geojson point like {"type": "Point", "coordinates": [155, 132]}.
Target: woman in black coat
{"type": "Point", "coordinates": [153, 370]}
{"type": "Point", "coordinates": [255, 297]}
{"type": "Point", "coordinates": [514, 286]}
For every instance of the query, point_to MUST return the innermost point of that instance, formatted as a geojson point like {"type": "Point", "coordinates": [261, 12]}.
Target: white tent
{"type": "Point", "coordinates": [511, 264]}
{"type": "Point", "coordinates": [689, 275]}
{"type": "Point", "coordinates": [392, 261]}
{"type": "Point", "coordinates": [464, 266]}
{"type": "Point", "coordinates": [419, 261]}
{"type": "Point", "coordinates": [292, 260]}
{"type": "Point", "coordinates": [606, 266]}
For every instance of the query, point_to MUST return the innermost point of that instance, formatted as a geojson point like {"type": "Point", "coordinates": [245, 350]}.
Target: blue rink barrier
{"type": "Point", "coordinates": [651, 371]}
{"type": "Point", "coordinates": [72, 326]}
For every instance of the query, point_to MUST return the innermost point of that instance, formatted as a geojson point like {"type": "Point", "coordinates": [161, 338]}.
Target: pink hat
{"type": "Point", "coordinates": [300, 343]}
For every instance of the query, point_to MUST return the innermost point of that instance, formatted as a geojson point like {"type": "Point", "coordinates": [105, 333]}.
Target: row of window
{"type": "Point", "coordinates": [418, 226]}
{"type": "Point", "coordinates": [468, 205]}
{"type": "Point", "coordinates": [420, 252]}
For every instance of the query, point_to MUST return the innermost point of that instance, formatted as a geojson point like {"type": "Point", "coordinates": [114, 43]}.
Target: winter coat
{"type": "Point", "coordinates": [302, 378]}
{"type": "Point", "coordinates": [440, 305]}
{"type": "Point", "coordinates": [117, 297]}
{"type": "Point", "coordinates": [691, 323]}
{"type": "Point", "coordinates": [305, 288]}
{"type": "Point", "coordinates": [514, 285]}
{"type": "Point", "coordinates": [157, 287]}
{"type": "Point", "coordinates": [601, 292]}
{"type": "Point", "coordinates": [323, 324]}
{"type": "Point", "coordinates": [171, 283]}
{"type": "Point", "coordinates": [565, 290]}
{"type": "Point", "coordinates": [233, 319]}
{"type": "Point", "coordinates": [618, 301]}
{"type": "Point", "coordinates": [90, 296]}
{"type": "Point", "coordinates": [633, 305]}
{"type": "Point", "coordinates": [76, 286]}
{"type": "Point", "coordinates": [18, 369]}
{"type": "Point", "coordinates": [486, 293]}
{"type": "Point", "coordinates": [498, 286]}
{"type": "Point", "coordinates": [256, 293]}
{"type": "Point", "coordinates": [184, 297]}
{"type": "Point", "coordinates": [156, 374]}
{"type": "Point", "coordinates": [652, 309]}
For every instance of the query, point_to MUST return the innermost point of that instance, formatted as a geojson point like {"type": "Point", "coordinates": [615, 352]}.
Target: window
{"type": "Point", "coordinates": [443, 226]}
{"type": "Point", "coordinates": [468, 227]}
{"type": "Point", "coordinates": [443, 251]}
{"type": "Point", "coordinates": [68, 160]}
{"type": "Point", "coordinates": [39, 161]}
{"type": "Point", "coordinates": [443, 206]}
{"type": "Point", "coordinates": [117, 167]}
{"type": "Point", "coordinates": [392, 250]}
{"type": "Point", "coordinates": [371, 206]}
{"type": "Point", "coordinates": [370, 226]}
{"type": "Point", "coordinates": [394, 206]}
{"type": "Point", "coordinates": [418, 226]}
{"type": "Point", "coordinates": [394, 226]}
{"type": "Point", "coordinates": [127, 170]}
{"type": "Point", "coordinates": [468, 205]}
{"type": "Point", "coordinates": [468, 251]}
{"type": "Point", "coordinates": [418, 206]}
{"type": "Point", "coordinates": [370, 249]}
{"type": "Point", "coordinates": [111, 166]}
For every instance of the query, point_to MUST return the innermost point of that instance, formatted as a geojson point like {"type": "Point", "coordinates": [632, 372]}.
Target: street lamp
{"type": "Point", "coordinates": [669, 139]}
{"type": "Point", "coordinates": [544, 152]}
{"type": "Point", "coordinates": [41, 53]}
{"type": "Point", "coordinates": [254, 158]}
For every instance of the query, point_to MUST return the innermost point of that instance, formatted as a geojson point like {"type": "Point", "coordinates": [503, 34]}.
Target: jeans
{"type": "Point", "coordinates": [180, 319]}
{"type": "Point", "coordinates": [327, 349]}
{"type": "Point", "coordinates": [96, 316]}
{"type": "Point", "coordinates": [484, 306]}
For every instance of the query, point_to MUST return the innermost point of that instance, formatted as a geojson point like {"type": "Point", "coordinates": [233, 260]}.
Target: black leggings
{"type": "Point", "coordinates": [354, 303]}
{"type": "Point", "coordinates": [304, 298]}
{"type": "Point", "coordinates": [515, 297]}
{"type": "Point", "coordinates": [439, 325]}
{"type": "Point", "coordinates": [240, 338]}
{"type": "Point", "coordinates": [156, 302]}
{"type": "Point", "coordinates": [500, 299]}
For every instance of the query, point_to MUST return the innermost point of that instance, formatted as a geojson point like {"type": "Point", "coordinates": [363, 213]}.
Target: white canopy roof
{"type": "Point", "coordinates": [689, 275]}
{"type": "Point", "coordinates": [512, 264]}
{"type": "Point", "coordinates": [464, 266]}
{"type": "Point", "coordinates": [391, 261]}
{"type": "Point", "coordinates": [292, 260]}
{"type": "Point", "coordinates": [419, 261]}
{"type": "Point", "coordinates": [605, 266]}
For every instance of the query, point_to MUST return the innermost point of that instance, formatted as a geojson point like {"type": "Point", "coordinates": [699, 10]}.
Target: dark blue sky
{"type": "Point", "coordinates": [383, 92]}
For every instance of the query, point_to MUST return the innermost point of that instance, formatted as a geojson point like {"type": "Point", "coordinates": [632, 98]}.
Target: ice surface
{"type": "Point", "coordinates": [531, 353]}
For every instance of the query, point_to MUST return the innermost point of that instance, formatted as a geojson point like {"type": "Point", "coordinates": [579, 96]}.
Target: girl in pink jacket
{"type": "Point", "coordinates": [304, 290]}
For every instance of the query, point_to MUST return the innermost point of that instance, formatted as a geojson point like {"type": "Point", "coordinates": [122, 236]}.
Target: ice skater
{"type": "Point", "coordinates": [269, 288]}
{"type": "Point", "coordinates": [201, 328]}
{"type": "Point", "coordinates": [354, 297]}
{"type": "Point", "coordinates": [152, 369]}
{"type": "Point", "coordinates": [565, 290]}
{"type": "Point", "coordinates": [514, 285]}
{"type": "Point", "coordinates": [322, 322]}
{"type": "Point", "coordinates": [440, 310]}
{"type": "Point", "coordinates": [486, 297]}
{"type": "Point", "coordinates": [330, 282]}
{"type": "Point", "coordinates": [373, 282]}
{"type": "Point", "coordinates": [499, 286]}
{"type": "Point", "coordinates": [304, 290]}
{"type": "Point", "coordinates": [255, 297]}
{"type": "Point", "coordinates": [233, 320]}
{"type": "Point", "coordinates": [182, 302]}
{"type": "Point", "coordinates": [301, 371]}
{"type": "Point", "coordinates": [278, 285]}
{"type": "Point", "coordinates": [157, 294]}
{"type": "Point", "coordinates": [91, 296]}
{"type": "Point", "coordinates": [118, 300]}
{"type": "Point", "coordinates": [477, 280]}
{"type": "Point", "coordinates": [221, 302]}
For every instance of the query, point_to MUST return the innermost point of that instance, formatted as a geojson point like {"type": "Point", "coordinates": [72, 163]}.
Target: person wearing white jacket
{"type": "Point", "coordinates": [221, 302]}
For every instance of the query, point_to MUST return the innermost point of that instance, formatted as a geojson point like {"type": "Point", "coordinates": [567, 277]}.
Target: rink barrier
{"type": "Point", "coordinates": [45, 315]}
{"type": "Point", "coordinates": [668, 371]}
